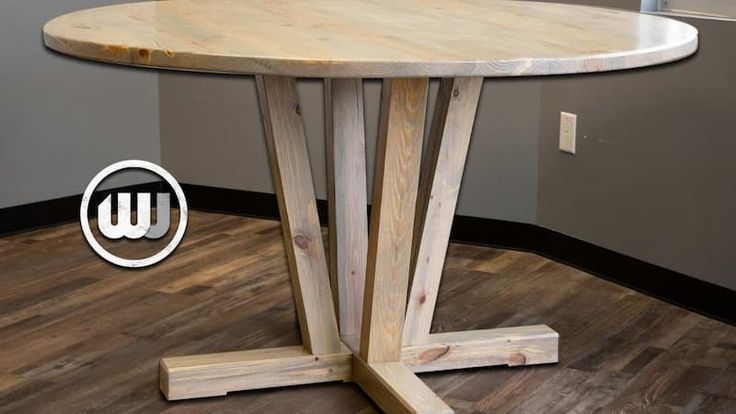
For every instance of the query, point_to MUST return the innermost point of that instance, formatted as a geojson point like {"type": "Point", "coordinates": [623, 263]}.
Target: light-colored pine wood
{"type": "Point", "coordinates": [523, 345]}
{"type": "Point", "coordinates": [347, 196]}
{"type": "Point", "coordinates": [396, 389]}
{"type": "Point", "coordinates": [211, 375]}
{"type": "Point", "coordinates": [428, 167]}
{"type": "Point", "coordinates": [401, 129]}
{"type": "Point", "coordinates": [376, 38]}
{"type": "Point", "coordinates": [442, 174]}
{"type": "Point", "coordinates": [286, 142]}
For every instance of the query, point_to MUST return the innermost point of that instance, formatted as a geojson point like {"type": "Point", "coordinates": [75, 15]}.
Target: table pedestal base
{"type": "Point", "coordinates": [355, 320]}
{"type": "Point", "coordinates": [392, 385]}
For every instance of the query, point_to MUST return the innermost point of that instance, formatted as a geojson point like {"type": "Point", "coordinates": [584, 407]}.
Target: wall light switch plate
{"type": "Point", "coordinates": [568, 130]}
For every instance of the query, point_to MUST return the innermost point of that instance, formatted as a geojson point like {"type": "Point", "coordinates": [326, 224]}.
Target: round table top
{"type": "Point", "coordinates": [371, 38]}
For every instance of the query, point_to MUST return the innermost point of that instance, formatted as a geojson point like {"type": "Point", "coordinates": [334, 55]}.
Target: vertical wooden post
{"type": "Point", "coordinates": [347, 196]}
{"type": "Point", "coordinates": [286, 141]}
{"type": "Point", "coordinates": [439, 188]}
{"type": "Point", "coordinates": [401, 130]}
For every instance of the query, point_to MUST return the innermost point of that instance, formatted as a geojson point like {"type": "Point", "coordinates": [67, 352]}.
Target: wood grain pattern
{"type": "Point", "coordinates": [620, 351]}
{"type": "Point", "coordinates": [439, 188]}
{"type": "Point", "coordinates": [523, 345]}
{"type": "Point", "coordinates": [347, 196]}
{"type": "Point", "coordinates": [395, 388]}
{"type": "Point", "coordinates": [401, 130]}
{"type": "Point", "coordinates": [378, 38]}
{"type": "Point", "coordinates": [286, 142]}
{"type": "Point", "coordinates": [210, 375]}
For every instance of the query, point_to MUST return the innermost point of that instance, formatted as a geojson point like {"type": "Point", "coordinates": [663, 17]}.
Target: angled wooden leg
{"type": "Point", "coordinates": [346, 182]}
{"type": "Point", "coordinates": [439, 188]}
{"type": "Point", "coordinates": [401, 129]}
{"type": "Point", "coordinates": [286, 141]}
{"type": "Point", "coordinates": [322, 357]}
{"type": "Point", "coordinates": [440, 185]}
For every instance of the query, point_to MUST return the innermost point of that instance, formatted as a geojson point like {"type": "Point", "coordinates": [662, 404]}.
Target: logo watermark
{"type": "Point", "coordinates": [143, 227]}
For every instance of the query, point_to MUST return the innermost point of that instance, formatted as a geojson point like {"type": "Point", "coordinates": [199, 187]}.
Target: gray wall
{"type": "Point", "coordinates": [211, 134]}
{"type": "Point", "coordinates": [654, 176]}
{"type": "Point", "coordinates": [63, 120]}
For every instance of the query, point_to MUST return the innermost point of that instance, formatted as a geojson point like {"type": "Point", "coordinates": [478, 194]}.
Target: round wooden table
{"type": "Point", "coordinates": [354, 318]}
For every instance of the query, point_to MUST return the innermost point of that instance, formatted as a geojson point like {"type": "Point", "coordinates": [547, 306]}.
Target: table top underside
{"type": "Point", "coordinates": [378, 38]}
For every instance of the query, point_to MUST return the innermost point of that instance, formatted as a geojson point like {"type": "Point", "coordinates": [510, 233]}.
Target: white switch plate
{"type": "Point", "coordinates": [568, 130]}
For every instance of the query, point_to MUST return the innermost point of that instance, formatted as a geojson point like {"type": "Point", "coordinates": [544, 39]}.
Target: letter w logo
{"type": "Point", "coordinates": [142, 227]}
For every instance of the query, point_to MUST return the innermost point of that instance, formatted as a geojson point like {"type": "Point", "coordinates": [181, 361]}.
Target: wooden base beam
{"type": "Point", "coordinates": [211, 375]}
{"type": "Point", "coordinates": [523, 345]}
{"type": "Point", "coordinates": [392, 385]}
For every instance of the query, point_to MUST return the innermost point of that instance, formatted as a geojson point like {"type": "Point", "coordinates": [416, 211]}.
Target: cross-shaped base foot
{"type": "Point", "coordinates": [368, 333]}
{"type": "Point", "coordinates": [392, 385]}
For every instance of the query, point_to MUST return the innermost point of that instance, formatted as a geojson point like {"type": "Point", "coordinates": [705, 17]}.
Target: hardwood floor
{"type": "Point", "coordinates": [79, 335]}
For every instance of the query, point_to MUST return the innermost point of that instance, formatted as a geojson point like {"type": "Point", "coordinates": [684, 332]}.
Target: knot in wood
{"type": "Point", "coordinates": [434, 353]}
{"type": "Point", "coordinates": [302, 241]}
{"type": "Point", "coordinates": [517, 359]}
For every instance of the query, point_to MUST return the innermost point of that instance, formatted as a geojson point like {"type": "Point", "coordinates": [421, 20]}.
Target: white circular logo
{"type": "Point", "coordinates": [143, 227]}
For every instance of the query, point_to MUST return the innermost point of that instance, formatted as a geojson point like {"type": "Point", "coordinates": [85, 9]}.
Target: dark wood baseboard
{"type": "Point", "coordinates": [34, 216]}
{"type": "Point", "coordinates": [686, 291]}
{"type": "Point", "coordinates": [677, 288]}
